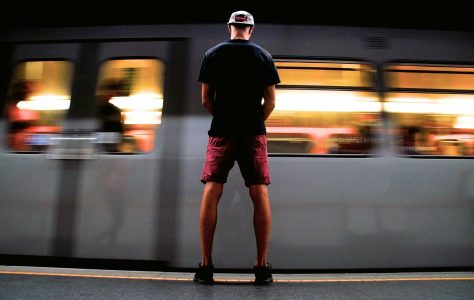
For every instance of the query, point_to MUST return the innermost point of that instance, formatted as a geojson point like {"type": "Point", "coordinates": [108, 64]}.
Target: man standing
{"type": "Point", "coordinates": [236, 75]}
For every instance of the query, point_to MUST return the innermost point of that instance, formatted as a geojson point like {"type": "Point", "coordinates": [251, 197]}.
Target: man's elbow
{"type": "Point", "coordinates": [205, 102]}
{"type": "Point", "coordinates": [207, 105]}
{"type": "Point", "coordinates": [269, 103]}
{"type": "Point", "coordinates": [272, 104]}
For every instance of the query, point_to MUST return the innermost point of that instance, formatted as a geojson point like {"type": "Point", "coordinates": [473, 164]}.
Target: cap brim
{"type": "Point", "coordinates": [241, 23]}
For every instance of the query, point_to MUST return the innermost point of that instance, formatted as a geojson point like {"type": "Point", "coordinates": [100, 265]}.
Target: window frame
{"type": "Point", "coordinates": [11, 79]}
{"type": "Point", "coordinates": [161, 62]}
{"type": "Point", "coordinates": [421, 63]}
{"type": "Point", "coordinates": [376, 89]}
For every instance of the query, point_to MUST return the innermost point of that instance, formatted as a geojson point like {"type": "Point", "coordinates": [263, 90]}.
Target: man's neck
{"type": "Point", "coordinates": [239, 36]}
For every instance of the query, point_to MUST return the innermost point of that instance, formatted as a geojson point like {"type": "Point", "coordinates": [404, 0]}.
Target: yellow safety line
{"type": "Point", "coordinates": [374, 279]}
{"type": "Point", "coordinates": [230, 280]}
{"type": "Point", "coordinates": [95, 276]}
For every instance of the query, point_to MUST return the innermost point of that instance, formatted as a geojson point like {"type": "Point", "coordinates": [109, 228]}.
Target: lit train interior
{"type": "Point", "coordinates": [322, 107]}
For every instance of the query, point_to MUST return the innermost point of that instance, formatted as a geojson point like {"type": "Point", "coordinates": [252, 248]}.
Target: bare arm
{"type": "Point", "coordinates": [207, 96]}
{"type": "Point", "coordinates": [269, 101]}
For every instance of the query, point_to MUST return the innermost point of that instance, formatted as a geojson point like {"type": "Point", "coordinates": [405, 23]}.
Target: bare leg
{"type": "Point", "coordinates": [262, 220]}
{"type": "Point", "coordinates": [208, 219]}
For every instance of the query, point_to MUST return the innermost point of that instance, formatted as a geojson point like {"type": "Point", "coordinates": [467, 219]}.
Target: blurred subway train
{"type": "Point", "coordinates": [371, 147]}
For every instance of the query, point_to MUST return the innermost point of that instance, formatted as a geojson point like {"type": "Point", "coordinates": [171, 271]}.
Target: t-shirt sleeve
{"type": "Point", "coordinates": [270, 72]}
{"type": "Point", "coordinates": [205, 74]}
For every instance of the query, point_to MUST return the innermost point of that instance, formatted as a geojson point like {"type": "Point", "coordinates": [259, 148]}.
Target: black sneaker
{"type": "Point", "coordinates": [204, 274]}
{"type": "Point", "coordinates": [263, 274]}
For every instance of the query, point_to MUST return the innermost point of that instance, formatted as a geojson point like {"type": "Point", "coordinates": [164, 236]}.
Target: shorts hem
{"type": "Point", "coordinates": [265, 182]}
{"type": "Point", "coordinates": [205, 180]}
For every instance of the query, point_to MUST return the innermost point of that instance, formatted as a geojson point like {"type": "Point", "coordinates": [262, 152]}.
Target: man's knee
{"type": "Point", "coordinates": [258, 192]}
{"type": "Point", "coordinates": [214, 189]}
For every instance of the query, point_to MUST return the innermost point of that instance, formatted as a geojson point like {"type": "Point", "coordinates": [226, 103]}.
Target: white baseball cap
{"type": "Point", "coordinates": [241, 17]}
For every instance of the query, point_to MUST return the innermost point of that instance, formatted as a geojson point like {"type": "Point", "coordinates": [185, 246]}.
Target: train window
{"type": "Point", "coordinates": [432, 108]}
{"type": "Point", "coordinates": [324, 108]}
{"type": "Point", "coordinates": [38, 101]}
{"type": "Point", "coordinates": [129, 104]}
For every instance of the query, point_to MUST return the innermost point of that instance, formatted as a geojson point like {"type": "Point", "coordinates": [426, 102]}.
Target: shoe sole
{"type": "Point", "coordinates": [266, 282]}
{"type": "Point", "coordinates": [200, 281]}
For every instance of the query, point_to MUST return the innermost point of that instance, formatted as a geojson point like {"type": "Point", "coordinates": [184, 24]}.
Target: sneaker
{"type": "Point", "coordinates": [204, 274]}
{"type": "Point", "coordinates": [263, 274]}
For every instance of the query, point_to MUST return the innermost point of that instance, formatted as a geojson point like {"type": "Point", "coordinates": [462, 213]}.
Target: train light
{"type": "Point", "coordinates": [141, 102]}
{"type": "Point", "coordinates": [45, 102]}
{"type": "Point", "coordinates": [327, 101]}
{"type": "Point", "coordinates": [444, 106]}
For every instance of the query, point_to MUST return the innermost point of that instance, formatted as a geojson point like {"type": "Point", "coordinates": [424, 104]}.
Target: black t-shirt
{"type": "Point", "coordinates": [239, 71]}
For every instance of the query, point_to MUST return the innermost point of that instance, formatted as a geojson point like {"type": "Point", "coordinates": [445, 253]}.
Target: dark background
{"type": "Point", "coordinates": [447, 15]}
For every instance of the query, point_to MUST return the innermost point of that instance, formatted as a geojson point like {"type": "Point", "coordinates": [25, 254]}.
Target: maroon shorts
{"type": "Point", "coordinates": [249, 152]}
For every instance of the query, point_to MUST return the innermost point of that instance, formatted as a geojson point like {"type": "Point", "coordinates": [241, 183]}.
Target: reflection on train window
{"type": "Point", "coordinates": [129, 105]}
{"type": "Point", "coordinates": [38, 100]}
{"type": "Point", "coordinates": [432, 108]}
{"type": "Point", "coordinates": [324, 108]}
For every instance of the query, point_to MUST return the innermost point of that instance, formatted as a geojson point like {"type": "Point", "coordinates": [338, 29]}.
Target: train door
{"type": "Point", "coordinates": [123, 189]}
{"type": "Point", "coordinates": [36, 104]}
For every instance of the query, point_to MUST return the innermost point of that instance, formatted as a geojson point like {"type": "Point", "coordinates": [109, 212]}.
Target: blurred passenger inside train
{"type": "Point", "coordinates": [408, 137]}
{"type": "Point", "coordinates": [110, 116]}
{"type": "Point", "coordinates": [361, 142]}
{"type": "Point", "coordinates": [21, 120]}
